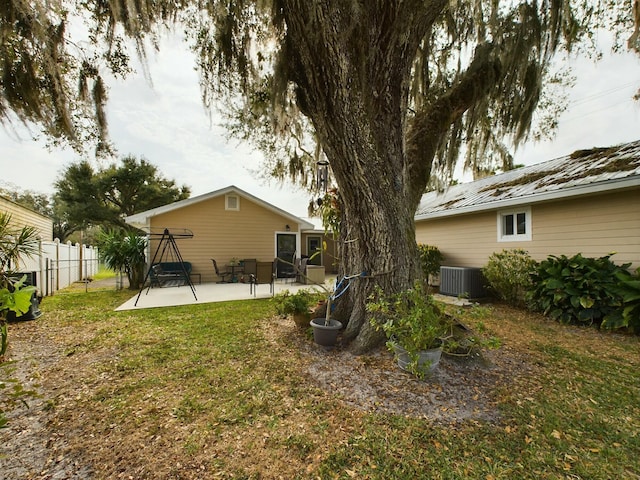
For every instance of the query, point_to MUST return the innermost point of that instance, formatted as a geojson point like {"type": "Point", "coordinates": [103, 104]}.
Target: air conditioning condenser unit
{"type": "Point", "coordinates": [465, 282]}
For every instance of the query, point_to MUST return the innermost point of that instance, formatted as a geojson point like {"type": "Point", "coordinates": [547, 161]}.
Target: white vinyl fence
{"type": "Point", "coordinates": [58, 265]}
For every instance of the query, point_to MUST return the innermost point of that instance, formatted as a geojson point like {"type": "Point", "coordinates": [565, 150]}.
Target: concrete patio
{"type": "Point", "coordinates": [209, 293]}
{"type": "Point", "coordinates": [222, 292]}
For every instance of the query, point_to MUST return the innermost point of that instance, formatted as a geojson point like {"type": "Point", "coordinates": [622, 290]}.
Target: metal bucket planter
{"type": "Point", "coordinates": [325, 335]}
{"type": "Point", "coordinates": [428, 360]}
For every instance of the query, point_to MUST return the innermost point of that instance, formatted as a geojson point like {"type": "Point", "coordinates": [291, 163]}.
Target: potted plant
{"type": "Point", "coordinates": [414, 325]}
{"type": "Point", "coordinates": [325, 330]}
{"type": "Point", "coordinates": [296, 304]}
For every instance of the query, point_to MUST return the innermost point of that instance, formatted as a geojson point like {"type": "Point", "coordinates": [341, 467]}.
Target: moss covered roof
{"type": "Point", "coordinates": [582, 172]}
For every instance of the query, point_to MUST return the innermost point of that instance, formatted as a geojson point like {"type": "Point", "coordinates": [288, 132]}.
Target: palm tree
{"type": "Point", "coordinates": [124, 252]}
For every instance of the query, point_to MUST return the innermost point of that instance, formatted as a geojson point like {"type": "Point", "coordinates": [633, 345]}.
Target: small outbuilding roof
{"type": "Point", "coordinates": [580, 173]}
{"type": "Point", "coordinates": [142, 219]}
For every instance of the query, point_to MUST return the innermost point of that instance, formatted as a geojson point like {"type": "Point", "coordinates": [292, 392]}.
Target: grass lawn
{"type": "Point", "coordinates": [220, 391]}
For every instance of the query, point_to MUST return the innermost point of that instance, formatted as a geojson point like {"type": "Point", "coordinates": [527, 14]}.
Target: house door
{"type": "Point", "coordinates": [314, 249]}
{"type": "Point", "coordinates": [285, 250]}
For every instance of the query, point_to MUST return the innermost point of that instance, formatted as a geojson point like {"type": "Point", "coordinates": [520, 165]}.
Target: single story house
{"type": "Point", "coordinates": [231, 224]}
{"type": "Point", "coordinates": [22, 216]}
{"type": "Point", "coordinates": [587, 202]}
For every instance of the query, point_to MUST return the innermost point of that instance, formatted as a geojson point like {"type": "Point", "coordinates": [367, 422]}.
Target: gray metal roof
{"type": "Point", "coordinates": [582, 172]}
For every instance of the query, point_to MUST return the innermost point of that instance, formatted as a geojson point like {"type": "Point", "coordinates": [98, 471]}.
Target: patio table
{"type": "Point", "coordinates": [235, 270]}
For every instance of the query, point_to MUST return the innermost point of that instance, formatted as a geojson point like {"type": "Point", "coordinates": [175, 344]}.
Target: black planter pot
{"type": "Point", "coordinates": [325, 335]}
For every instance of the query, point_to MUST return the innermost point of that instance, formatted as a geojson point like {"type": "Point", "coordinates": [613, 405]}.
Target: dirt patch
{"type": "Point", "coordinates": [30, 450]}
{"type": "Point", "coordinates": [461, 388]}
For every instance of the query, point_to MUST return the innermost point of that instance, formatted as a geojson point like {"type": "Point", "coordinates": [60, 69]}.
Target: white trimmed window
{"type": "Point", "coordinates": [514, 225]}
{"type": "Point", "coordinates": [231, 202]}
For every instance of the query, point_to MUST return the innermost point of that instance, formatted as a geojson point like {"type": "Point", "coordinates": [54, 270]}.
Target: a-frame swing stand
{"type": "Point", "coordinates": [167, 247]}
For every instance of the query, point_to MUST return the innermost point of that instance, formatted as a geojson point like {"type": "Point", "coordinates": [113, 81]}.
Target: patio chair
{"type": "Point", "coordinates": [265, 273]}
{"type": "Point", "coordinates": [274, 270]}
{"type": "Point", "coordinates": [250, 268]}
{"type": "Point", "coordinates": [219, 273]}
{"type": "Point", "coordinates": [301, 270]}
{"type": "Point", "coordinates": [287, 270]}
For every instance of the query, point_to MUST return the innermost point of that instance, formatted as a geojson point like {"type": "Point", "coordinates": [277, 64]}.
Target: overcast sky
{"type": "Point", "coordinates": [168, 126]}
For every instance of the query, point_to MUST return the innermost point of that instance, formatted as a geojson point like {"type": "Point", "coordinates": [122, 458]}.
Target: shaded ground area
{"type": "Point", "coordinates": [461, 388]}
{"type": "Point", "coordinates": [37, 443]}
{"type": "Point", "coordinates": [31, 447]}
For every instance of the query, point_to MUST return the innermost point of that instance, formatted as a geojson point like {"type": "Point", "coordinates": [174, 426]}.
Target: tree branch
{"type": "Point", "coordinates": [430, 125]}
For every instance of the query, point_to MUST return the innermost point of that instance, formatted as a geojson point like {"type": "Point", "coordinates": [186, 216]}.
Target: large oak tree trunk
{"type": "Point", "coordinates": [378, 242]}
{"type": "Point", "coordinates": [377, 238]}
{"type": "Point", "coordinates": [358, 106]}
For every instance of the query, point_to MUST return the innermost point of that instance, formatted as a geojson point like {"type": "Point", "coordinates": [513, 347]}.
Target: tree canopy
{"type": "Point", "coordinates": [88, 197]}
{"type": "Point", "coordinates": [388, 91]}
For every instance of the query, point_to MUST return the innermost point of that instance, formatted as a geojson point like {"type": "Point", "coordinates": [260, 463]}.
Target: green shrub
{"type": "Point", "coordinates": [410, 319]}
{"type": "Point", "coordinates": [430, 259]}
{"type": "Point", "coordinates": [628, 315]}
{"type": "Point", "coordinates": [413, 320]}
{"type": "Point", "coordinates": [509, 275]}
{"type": "Point", "coordinates": [287, 303]}
{"type": "Point", "coordinates": [577, 289]}
{"type": "Point", "coordinates": [15, 245]}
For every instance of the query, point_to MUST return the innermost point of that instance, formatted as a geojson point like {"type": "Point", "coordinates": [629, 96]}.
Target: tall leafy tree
{"type": "Point", "coordinates": [389, 91]}
{"type": "Point", "coordinates": [80, 201]}
{"type": "Point", "coordinates": [134, 186]}
{"type": "Point", "coordinates": [86, 196]}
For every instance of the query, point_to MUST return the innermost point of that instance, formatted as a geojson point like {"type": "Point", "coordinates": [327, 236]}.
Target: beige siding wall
{"type": "Point", "coordinates": [464, 240]}
{"type": "Point", "coordinates": [223, 234]}
{"type": "Point", "coordinates": [329, 256]}
{"type": "Point", "coordinates": [21, 217]}
{"type": "Point", "coordinates": [592, 225]}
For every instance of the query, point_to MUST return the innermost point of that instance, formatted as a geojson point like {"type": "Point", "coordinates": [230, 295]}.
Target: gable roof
{"type": "Point", "coordinates": [142, 218]}
{"type": "Point", "coordinates": [580, 173]}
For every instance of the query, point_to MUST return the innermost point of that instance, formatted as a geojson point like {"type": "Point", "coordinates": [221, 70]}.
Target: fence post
{"type": "Point", "coordinates": [57, 264]}
{"type": "Point", "coordinates": [80, 256]}
{"type": "Point", "coordinates": [40, 276]}
{"type": "Point", "coordinates": [46, 277]}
